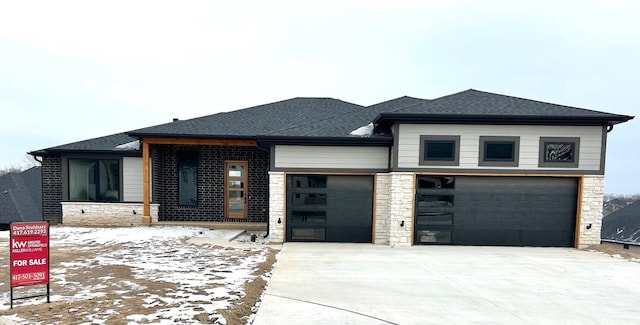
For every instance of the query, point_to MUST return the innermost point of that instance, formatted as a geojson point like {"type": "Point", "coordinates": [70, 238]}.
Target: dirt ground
{"type": "Point", "coordinates": [613, 251]}
{"type": "Point", "coordinates": [108, 294]}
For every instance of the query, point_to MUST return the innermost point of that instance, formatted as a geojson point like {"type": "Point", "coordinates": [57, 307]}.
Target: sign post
{"type": "Point", "coordinates": [29, 256]}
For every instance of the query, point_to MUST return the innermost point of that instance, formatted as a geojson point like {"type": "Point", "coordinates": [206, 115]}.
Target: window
{"type": "Point", "coordinates": [559, 152]}
{"type": "Point", "coordinates": [439, 150]}
{"type": "Point", "coordinates": [309, 181]}
{"type": "Point", "coordinates": [436, 182]}
{"type": "Point", "coordinates": [94, 180]}
{"type": "Point", "coordinates": [499, 151]}
{"type": "Point", "coordinates": [187, 179]}
{"type": "Point", "coordinates": [236, 190]}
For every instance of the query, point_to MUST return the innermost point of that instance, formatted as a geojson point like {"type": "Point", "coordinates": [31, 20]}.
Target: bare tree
{"type": "Point", "coordinates": [27, 162]}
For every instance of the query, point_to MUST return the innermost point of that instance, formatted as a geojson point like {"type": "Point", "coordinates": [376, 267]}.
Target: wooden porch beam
{"type": "Point", "coordinates": [146, 197]}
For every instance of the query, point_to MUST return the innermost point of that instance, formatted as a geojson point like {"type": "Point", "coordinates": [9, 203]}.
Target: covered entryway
{"type": "Point", "coordinates": [507, 211]}
{"type": "Point", "coordinates": [333, 208]}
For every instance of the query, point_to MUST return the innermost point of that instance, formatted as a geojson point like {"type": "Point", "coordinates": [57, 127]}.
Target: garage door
{"type": "Point", "coordinates": [333, 208]}
{"type": "Point", "coordinates": [507, 211]}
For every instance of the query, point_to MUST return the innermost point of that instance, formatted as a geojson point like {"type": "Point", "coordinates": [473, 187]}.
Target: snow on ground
{"type": "Point", "coordinates": [207, 278]}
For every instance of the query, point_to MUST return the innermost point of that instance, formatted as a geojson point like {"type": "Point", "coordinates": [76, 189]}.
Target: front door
{"type": "Point", "coordinates": [235, 189]}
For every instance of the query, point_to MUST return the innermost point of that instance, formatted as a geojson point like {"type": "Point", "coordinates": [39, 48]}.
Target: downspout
{"type": "Point", "coordinates": [609, 127]}
{"type": "Point", "coordinates": [268, 167]}
{"type": "Point", "coordinates": [36, 159]}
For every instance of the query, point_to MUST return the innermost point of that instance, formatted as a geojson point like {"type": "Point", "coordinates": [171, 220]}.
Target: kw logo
{"type": "Point", "coordinates": [18, 244]}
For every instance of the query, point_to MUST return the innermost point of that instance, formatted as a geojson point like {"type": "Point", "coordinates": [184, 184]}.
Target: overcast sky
{"type": "Point", "coordinates": [74, 70]}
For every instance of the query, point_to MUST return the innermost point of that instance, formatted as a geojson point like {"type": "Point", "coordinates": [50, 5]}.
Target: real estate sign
{"type": "Point", "coordinates": [29, 254]}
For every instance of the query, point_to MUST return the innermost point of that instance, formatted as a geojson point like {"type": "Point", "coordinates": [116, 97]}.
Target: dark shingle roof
{"type": "Point", "coordinates": [623, 225]}
{"type": "Point", "coordinates": [485, 106]}
{"type": "Point", "coordinates": [341, 125]}
{"type": "Point", "coordinates": [104, 144]}
{"type": "Point", "coordinates": [20, 196]}
{"type": "Point", "coordinates": [328, 120]}
{"type": "Point", "coordinates": [250, 122]}
{"type": "Point", "coordinates": [404, 102]}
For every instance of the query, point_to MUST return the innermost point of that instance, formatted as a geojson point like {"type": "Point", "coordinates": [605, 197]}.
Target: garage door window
{"type": "Point", "coordinates": [309, 181]}
{"type": "Point", "coordinates": [434, 237]}
{"type": "Point", "coordinates": [499, 151]}
{"type": "Point", "coordinates": [559, 152]}
{"type": "Point", "coordinates": [309, 199]}
{"type": "Point", "coordinates": [434, 218]}
{"type": "Point", "coordinates": [309, 216]}
{"type": "Point", "coordinates": [439, 150]}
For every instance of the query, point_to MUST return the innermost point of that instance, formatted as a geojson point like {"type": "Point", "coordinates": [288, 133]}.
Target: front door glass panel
{"type": "Point", "coordinates": [236, 189]}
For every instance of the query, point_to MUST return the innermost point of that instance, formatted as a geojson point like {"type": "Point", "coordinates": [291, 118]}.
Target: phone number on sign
{"type": "Point", "coordinates": [29, 232]}
{"type": "Point", "coordinates": [29, 276]}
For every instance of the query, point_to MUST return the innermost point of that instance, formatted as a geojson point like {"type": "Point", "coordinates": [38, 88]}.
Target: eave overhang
{"type": "Point", "coordinates": [59, 152]}
{"type": "Point", "coordinates": [388, 119]}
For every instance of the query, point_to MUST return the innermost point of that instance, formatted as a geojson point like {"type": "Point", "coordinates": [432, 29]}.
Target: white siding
{"type": "Point", "coordinates": [589, 154]}
{"type": "Point", "coordinates": [132, 179]}
{"type": "Point", "coordinates": [331, 157]}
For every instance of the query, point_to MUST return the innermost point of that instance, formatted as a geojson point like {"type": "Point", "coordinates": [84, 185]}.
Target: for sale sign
{"type": "Point", "coordinates": [29, 257]}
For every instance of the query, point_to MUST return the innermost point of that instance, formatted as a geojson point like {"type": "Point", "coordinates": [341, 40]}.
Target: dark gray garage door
{"type": "Point", "coordinates": [332, 208]}
{"type": "Point", "coordinates": [509, 211]}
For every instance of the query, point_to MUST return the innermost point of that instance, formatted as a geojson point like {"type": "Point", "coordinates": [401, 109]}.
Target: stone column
{"type": "Point", "coordinates": [382, 208]}
{"type": "Point", "coordinates": [401, 208]}
{"type": "Point", "coordinates": [591, 211]}
{"type": "Point", "coordinates": [276, 207]}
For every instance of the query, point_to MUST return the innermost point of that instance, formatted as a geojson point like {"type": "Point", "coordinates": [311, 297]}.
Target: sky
{"type": "Point", "coordinates": [75, 70]}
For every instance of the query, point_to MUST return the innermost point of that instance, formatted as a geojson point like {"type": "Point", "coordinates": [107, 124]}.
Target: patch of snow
{"type": "Point", "coordinates": [207, 277]}
{"type": "Point", "coordinates": [133, 145]}
{"type": "Point", "coordinates": [363, 131]}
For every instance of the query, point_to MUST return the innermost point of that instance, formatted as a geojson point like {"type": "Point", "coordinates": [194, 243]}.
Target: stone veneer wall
{"type": "Point", "coordinates": [105, 214]}
{"type": "Point", "coordinates": [591, 213]}
{"type": "Point", "coordinates": [401, 208]}
{"type": "Point", "coordinates": [276, 207]}
{"type": "Point", "coordinates": [52, 189]}
{"type": "Point", "coordinates": [382, 208]}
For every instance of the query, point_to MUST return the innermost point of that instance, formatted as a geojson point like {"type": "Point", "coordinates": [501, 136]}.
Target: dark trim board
{"type": "Point", "coordinates": [329, 170]}
{"type": "Point", "coordinates": [501, 171]}
{"type": "Point", "coordinates": [395, 129]}
{"type": "Point", "coordinates": [603, 149]}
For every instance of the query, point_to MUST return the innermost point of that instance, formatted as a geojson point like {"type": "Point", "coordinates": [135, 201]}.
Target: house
{"type": "Point", "coordinates": [622, 228]}
{"type": "Point", "coordinates": [613, 206]}
{"type": "Point", "coordinates": [471, 168]}
{"type": "Point", "coordinates": [20, 197]}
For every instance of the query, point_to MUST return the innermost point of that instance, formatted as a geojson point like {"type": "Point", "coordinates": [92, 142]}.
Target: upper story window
{"type": "Point", "coordinates": [94, 180]}
{"type": "Point", "coordinates": [559, 152]}
{"type": "Point", "coordinates": [499, 151]}
{"type": "Point", "coordinates": [439, 150]}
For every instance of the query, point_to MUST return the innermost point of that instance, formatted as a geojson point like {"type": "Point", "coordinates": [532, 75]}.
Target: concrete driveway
{"type": "Point", "coordinates": [325, 283]}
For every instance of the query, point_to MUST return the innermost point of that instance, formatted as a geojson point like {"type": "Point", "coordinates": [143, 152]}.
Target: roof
{"type": "Point", "coordinates": [474, 106]}
{"type": "Point", "coordinates": [329, 120]}
{"type": "Point", "coordinates": [623, 225]}
{"type": "Point", "coordinates": [341, 125]}
{"type": "Point", "coordinates": [268, 119]}
{"type": "Point", "coordinates": [107, 144]}
{"type": "Point", "coordinates": [20, 196]}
